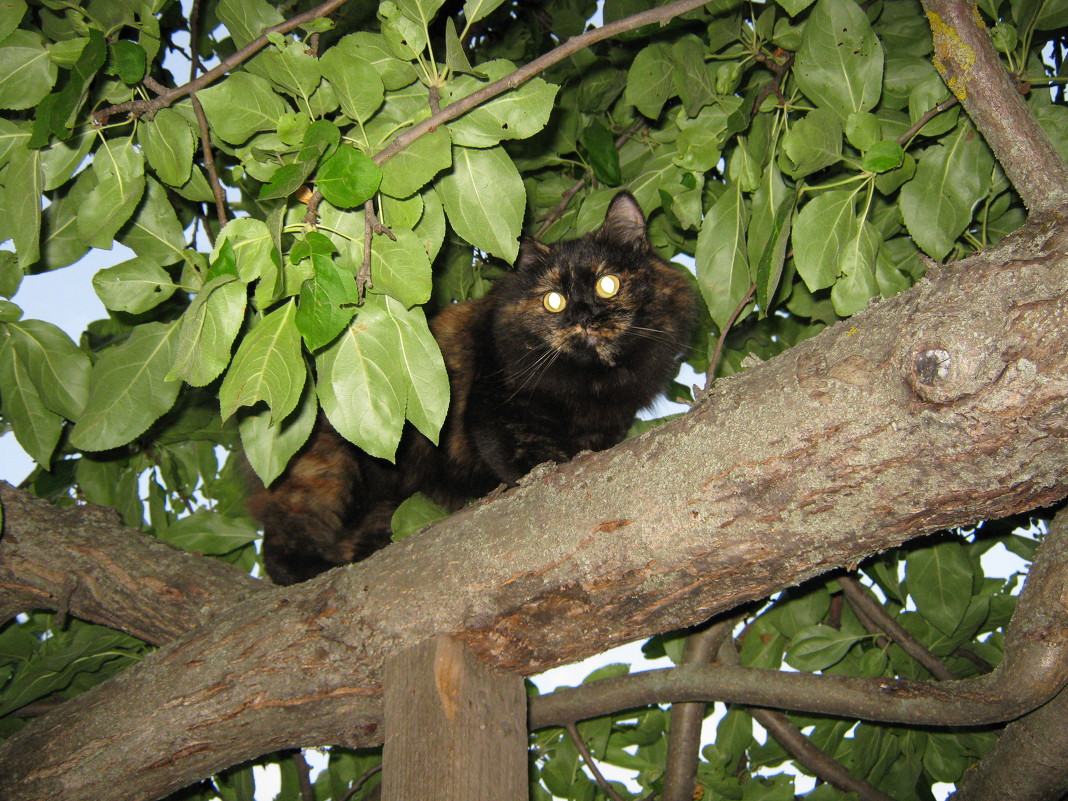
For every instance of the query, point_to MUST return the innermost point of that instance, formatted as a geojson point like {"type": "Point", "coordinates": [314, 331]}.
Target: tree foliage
{"type": "Point", "coordinates": [296, 212]}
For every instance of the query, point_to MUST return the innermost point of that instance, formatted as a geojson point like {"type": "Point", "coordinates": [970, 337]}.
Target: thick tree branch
{"type": "Point", "coordinates": [117, 577]}
{"type": "Point", "coordinates": [940, 406]}
{"type": "Point", "coordinates": [970, 66]}
{"type": "Point", "coordinates": [1034, 669]}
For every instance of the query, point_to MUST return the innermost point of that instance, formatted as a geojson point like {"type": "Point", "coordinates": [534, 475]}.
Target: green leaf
{"type": "Point", "coordinates": [474, 10]}
{"type": "Point", "coordinates": [939, 579]}
{"type": "Point", "coordinates": [22, 204]}
{"type": "Point", "coordinates": [484, 200]}
{"type": "Point", "coordinates": [128, 60]}
{"type": "Point", "coordinates": [601, 149]}
{"type": "Point", "coordinates": [253, 248]}
{"type": "Point", "coordinates": [58, 112]}
{"type": "Point", "coordinates": [840, 63]}
{"type": "Point", "coordinates": [821, 230]}
{"type": "Point", "coordinates": [857, 285]}
{"type": "Point", "coordinates": [415, 166]}
{"type": "Point", "coordinates": [58, 368]}
{"type": "Point", "coordinates": [134, 286]}
{"type": "Point", "coordinates": [11, 14]}
{"type": "Point", "coordinates": [883, 156]}
{"type": "Point", "coordinates": [247, 19]}
{"type": "Point", "coordinates": [120, 171]}
{"type": "Point", "coordinates": [819, 647]}
{"type": "Point", "coordinates": [209, 532]}
{"type": "Point", "coordinates": [516, 114]}
{"type": "Point", "coordinates": [348, 178]}
{"type": "Point", "coordinates": [267, 366]}
{"type": "Point", "coordinates": [27, 74]}
{"type": "Point", "coordinates": [168, 145]}
{"type": "Point", "coordinates": [414, 514]}
{"type": "Point", "coordinates": [362, 397]}
{"type": "Point", "coordinates": [358, 85]}
{"type": "Point", "coordinates": [650, 81]}
{"type": "Point", "coordinates": [154, 232]}
{"type": "Point", "coordinates": [207, 331]}
{"type": "Point", "coordinates": [418, 360]}
{"type": "Point", "coordinates": [769, 267]}
{"type": "Point", "coordinates": [395, 73]}
{"type": "Point", "coordinates": [10, 275]}
{"type": "Point", "coordinates": [240, 106]}
{"type": "Point", "coordinates": [128, 389]}
{"type": "Point", "coordinates": [400, 268]}
{"type": "Point", "coordinates": [269, 446]}
{"type": "Point", "coordinates": [950, 179]}
{"type": "Point", "coordinates": [36, 428]}
{"type": "Point", "coordinates": [327, 302]}
{"type": "Point", "coordinates": [722, 265]}
{"type": "Point", "coordinates": [812, 143]}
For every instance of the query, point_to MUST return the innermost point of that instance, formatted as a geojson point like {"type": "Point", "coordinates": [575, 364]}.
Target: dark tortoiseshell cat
{"type": "Point", "coordinates": [557, 358]}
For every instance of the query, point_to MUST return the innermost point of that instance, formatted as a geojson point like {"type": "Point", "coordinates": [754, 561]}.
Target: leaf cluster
{"type": "Point", "coordinates": [805, 156]}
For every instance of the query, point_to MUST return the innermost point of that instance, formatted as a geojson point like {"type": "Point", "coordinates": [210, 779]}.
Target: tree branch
{"type": "Point", "coordinates": [122, 578]}
{"type": "Point", "coordinates": [858, 596]}
{"type": "Point", "coordinates": [970, 66]}
{"type": "Point", "coordinates": [662, 15]}
{"type": "Point", "coordinates": [1035, 668]}
{"type": "Point", "coordinates": [826, 446]}
{"type": "Point", "coordinates": [150, 107]}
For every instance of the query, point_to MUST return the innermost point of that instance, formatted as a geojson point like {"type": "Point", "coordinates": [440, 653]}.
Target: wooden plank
{"type": "Point", "coordinates": [454, 731]}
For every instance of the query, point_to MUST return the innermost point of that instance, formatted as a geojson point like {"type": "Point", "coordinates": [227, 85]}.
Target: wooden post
{"type": "Point", "coordinates": [454, 731]}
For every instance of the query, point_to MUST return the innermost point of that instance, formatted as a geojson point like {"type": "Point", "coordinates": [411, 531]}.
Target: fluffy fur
{"type": "Point", "coordinates": [556, 359]}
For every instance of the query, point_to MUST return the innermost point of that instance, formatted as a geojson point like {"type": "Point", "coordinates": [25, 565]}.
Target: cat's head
{"type": "Point", "coordinates": [596, 299]}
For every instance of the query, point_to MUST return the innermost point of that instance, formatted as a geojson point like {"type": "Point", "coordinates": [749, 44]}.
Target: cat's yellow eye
{"type": "Point", "coordinates": [607, 286]}
{"type": "Point", "coordinates": [553, 302]}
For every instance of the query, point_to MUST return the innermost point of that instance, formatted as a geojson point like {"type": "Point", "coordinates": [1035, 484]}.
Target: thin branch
{"type": "Point", "coordinates": [150, 107]}
{"type": "Point", "coordinates": [1035, 668]}
{"type": "Point", "coordinates": [822, 764]}
{"type": "Point", "coordinates": [307, 791]}
{"type": "Point", "coordinates": [966, 58]}
{"type": "Point", "coordinates": [927, 116]}
{"type": "Point", "coordinates": [209, 164]}
{"type": "Point", "coordinates": [713, 362]}
{"type": "Point", "coordinates": [360, 782]}
{"type": "Point", "coordinates": [662, 15]}
{"type": "Point", "coordinates": [860, 599]}
{"type": "Point", "coordinates": [591, 763]}
{"type": "Point", "coordinates": [775, 84]}
{"type": "Point", "coordinates": [686, 720]}
{"type": "Point", "coordinates": [558, 210]}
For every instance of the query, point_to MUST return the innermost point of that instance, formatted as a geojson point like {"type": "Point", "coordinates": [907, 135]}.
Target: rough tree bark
{"type": "Point", "coordinates": [941, 406]}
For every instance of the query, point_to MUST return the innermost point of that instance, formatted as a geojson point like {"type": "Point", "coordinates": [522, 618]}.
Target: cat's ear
{"type": "Point", "coordinates": [531, 252]}
{"type": "Point", "coordinates": [624, 223]}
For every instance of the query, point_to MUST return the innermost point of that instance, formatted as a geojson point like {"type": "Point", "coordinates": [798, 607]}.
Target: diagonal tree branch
{"type": "Point", "coordinates": [840, 447]}
{"type": "Point", "coordinates": [970, 66]}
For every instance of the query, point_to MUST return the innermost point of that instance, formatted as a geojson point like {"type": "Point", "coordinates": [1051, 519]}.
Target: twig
{"type": "Point", "coordinates": [872, 609]}
{"type": "Point", "coordinates": [713, 362]}
{"type": "Point", "coordinates": [307, 792]}
{"type": "Point", "coordinates": [686, 720]}
{"type": "Point", "coordinates": [202, 123]}
{"type": "Point", "coordinates": [558, 210]}
{"type": "Point", "coordinates": [150, 107]}
{"type": "Point", "coordinates": [822, 764]}
{"type": "Point", "coordinates": [360, 782]}
{"type": "Point", "coordinates": [948, 103]}
{"type": "Point", "coordinates": [663, 15]}
{"type": "Point", "coordinates": [371, 225]}
{"type": "Point", "coordinates": [587, 757]}
{"type": "Point", "coordinates": [775, 85]}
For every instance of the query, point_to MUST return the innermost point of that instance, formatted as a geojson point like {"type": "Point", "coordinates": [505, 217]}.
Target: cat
{"type": "Point", "coordinates": [557, 358]}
